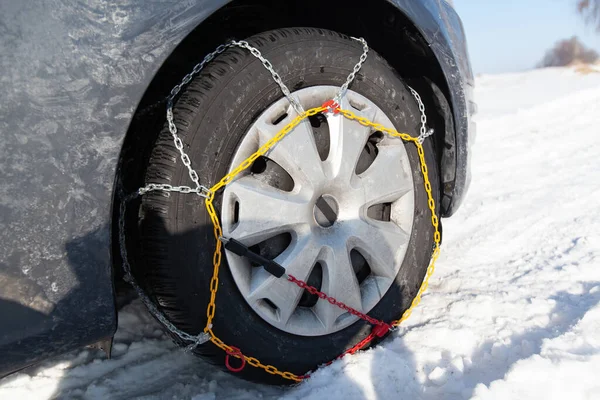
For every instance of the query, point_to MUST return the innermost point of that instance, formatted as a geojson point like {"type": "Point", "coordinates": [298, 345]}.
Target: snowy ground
{"type": "Point", "coordinates": [513, 310]}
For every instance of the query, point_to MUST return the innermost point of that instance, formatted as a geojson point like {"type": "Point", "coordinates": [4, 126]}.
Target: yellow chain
{"type": "Point", "coordinates": [217, 256]}
{"type": "Point", "coordinates": [430, 202]}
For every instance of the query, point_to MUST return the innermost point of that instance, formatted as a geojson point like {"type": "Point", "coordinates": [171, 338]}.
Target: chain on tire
{"type": "Point", "coordinates": [380, 328]}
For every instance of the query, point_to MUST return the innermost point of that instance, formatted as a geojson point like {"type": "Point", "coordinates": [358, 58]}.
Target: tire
{"type": "Point", "coordinates": [213, 114]}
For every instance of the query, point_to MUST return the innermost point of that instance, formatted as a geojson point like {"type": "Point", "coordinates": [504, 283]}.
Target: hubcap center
{"type": "Point", "coordinates": [326, 210]}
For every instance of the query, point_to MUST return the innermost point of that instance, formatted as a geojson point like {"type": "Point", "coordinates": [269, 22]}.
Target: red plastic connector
{"type": "Point", "coordinates": [380, 330]}
{"type": "Point", "coordinates": [332, 106]}
{"type": "Point", "coordinates": [235, 352]}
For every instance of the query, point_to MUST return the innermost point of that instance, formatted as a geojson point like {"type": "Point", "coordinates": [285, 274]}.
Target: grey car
{"type": "Point", "coordinates": [339, 205]}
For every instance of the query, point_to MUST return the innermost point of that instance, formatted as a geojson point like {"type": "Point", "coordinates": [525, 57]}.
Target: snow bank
{"type": "Point", "coordinates": [512, 312]}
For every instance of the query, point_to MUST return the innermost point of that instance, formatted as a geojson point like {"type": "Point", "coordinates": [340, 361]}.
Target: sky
{"type": "Point", "coordinates": [513, 35]}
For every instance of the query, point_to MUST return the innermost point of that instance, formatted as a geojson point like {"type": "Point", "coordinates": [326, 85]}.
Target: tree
{"type": "Point", "coordinates": [566, 52]}
{"type": "Point", "coordinates": [590, 9]}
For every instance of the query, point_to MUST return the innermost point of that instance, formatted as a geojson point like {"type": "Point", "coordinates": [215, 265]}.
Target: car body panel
{"type": "Point", "coordinates": [442, 28]}
{"type": "Point", "coordinates": [73, 72]}
{"type": "Point", "coordinates": [72, 75]}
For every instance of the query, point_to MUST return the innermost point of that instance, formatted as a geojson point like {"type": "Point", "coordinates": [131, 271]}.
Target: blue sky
{"type": "Point", "coordinates": [513, 35]}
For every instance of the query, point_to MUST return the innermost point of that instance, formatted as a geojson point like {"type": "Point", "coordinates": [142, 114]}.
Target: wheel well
{"type": "Point", "coordinates": [387, 30]}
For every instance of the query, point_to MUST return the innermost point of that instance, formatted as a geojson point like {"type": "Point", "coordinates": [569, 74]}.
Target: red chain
{"type": "Point", "coordinates": [358, 346]}
{"type": "Point", "coordinates": [380, 327]}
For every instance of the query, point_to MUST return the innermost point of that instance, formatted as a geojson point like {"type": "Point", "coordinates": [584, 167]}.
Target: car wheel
{"type": "Point", "coordinates": [335, 203]}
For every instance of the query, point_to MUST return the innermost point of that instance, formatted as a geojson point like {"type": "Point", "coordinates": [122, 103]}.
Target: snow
{"type": "Point", "coordinates": [513, 309]}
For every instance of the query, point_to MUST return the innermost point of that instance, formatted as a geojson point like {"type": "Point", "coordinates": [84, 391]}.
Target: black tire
{"type": "Point", "coordinates": [212, 114]}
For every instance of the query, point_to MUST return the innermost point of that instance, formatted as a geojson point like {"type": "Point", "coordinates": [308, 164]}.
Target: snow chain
{"type": "Point", "coordinates": [380, 328]}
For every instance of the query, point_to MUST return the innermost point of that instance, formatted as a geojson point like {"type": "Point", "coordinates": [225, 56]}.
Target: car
{"type": "Point", "coordinates": [338, 205]}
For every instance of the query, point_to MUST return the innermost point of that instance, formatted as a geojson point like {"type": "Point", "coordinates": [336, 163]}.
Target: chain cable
{"type": "Point", "coordinates": [363, 57]}
{"type": "Point", "coordinates": [380, 328]}
{"type": "Point", "coordinates": [423, 133]}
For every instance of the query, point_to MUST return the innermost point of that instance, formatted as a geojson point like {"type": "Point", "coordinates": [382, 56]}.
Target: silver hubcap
{"type": "Point", "coordinates": [333, 203]}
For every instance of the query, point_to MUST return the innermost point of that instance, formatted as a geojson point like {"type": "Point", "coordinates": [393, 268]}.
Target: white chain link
{"type": "Point", "coordinates": [200, 189]}
{"type": "Point", "coordinates": [203, 191]}
{"type": "Point", "coordinates": [267, 64]}
{"type": "Point", "coordinates": [363, 57]}
{"type": "Point", "coordinates": [195, 71]}
{"type": "Point", "coordinates": [277, 78]}
{"type": "Point", "coordinates": [424, 133]}
{"type": "Point", "coordinates": [151, 187]}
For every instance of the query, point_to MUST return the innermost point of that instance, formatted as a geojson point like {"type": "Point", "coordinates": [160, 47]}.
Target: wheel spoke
{"type": "Point", "coordinates": [298, 260]}
{"type": "Point", "coordinates": [387, 179]}
{"type": "Point", "coordinates": [383, 244]}
{"type": "Point", "coordinates": [347, 140]}
{"type": "Point", "coordinates": [340, 283]}
{"type": "Point", "coordinates": [264, 211]}
{"type": "Point", "coordinates": [296, 153]}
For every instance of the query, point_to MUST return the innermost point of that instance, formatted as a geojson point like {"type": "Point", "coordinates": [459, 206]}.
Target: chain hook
{"type": "Point", "coordinates": [237, 353]}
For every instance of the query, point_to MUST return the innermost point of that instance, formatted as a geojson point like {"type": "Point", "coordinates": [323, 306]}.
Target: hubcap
{"type": "Point", "coordinates": [333, 203]}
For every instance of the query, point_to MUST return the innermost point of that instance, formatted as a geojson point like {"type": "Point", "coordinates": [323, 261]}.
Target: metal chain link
{"type": "Point", "coordinates": [200, 189]}
{"type": "Point", "coordinates": [195, 71]}
{"type": "Point", "coordinates": [151, 187]}
{"type": "Point", "coordinates": [424, 133]}
{"type": "Point", "coordinates": [363, 57]}
{"type": "Point", "coordinates": [267, 64]}
{"type": "Point", "coordinates": [277, 78]}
